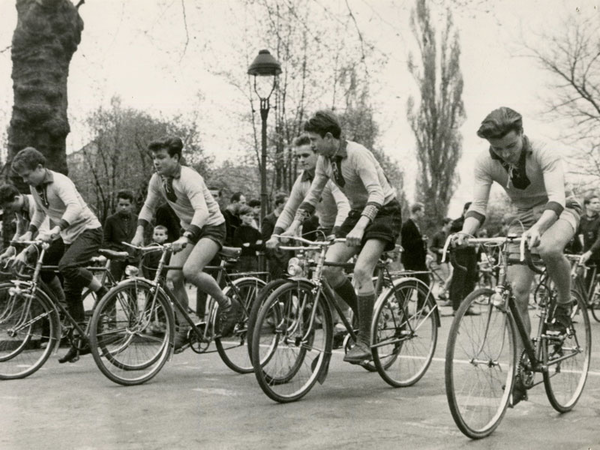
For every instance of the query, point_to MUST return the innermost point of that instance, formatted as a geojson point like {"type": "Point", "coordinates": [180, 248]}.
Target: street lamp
{"type": "Point", "coordinates": [264, 65]}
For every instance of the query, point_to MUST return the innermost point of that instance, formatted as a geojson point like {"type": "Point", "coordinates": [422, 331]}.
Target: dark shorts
{"type": "Point", "coordinates": [216, 233]}
{"type": "Point", "coordinates": [385, 227]}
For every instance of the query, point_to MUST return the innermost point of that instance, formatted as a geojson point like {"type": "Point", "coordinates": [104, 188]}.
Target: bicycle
{"type": "Point", "coordinates": [31, 320]}
{"type": "Point", "coordinates": [591, 294]}
{"type": "Point", "coordinates": [481, 355]}
{"type": "Point", "coordinates": [293, 334]}
{"type": "Point", "coordinates": [133, 326]}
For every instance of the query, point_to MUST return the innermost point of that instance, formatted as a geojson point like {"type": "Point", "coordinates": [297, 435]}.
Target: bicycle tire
{"type": "Point", "coordinates": [29, 326]}
{"type": "Point", "coordinates": [564, 381]}
{"type": "Point", "coordinates": [478, 385]}
{"type": "Point", "coordinates": [262, 296]}
{"type": "Point", "coordinates": [291, 341]}
{"type": "Point", "coordinates": [132, 332]}
{"type": "Point", "coordinates": [232, 349]}
{"type": "Point", "coordinates": [594, 305]}
{"type": "Point", "coordinates": [404, 333]}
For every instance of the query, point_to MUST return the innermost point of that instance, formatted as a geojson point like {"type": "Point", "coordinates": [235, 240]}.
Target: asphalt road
{"type": "Point", "coordinates": [197, 402]}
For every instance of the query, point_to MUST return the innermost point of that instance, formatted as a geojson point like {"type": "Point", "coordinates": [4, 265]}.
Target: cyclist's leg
{"type": "Point", "coordinates": [363, 280]}
{"type": "Point", "coordinates": [336, 277]}
{"type": "Point", "coordinates": [76, 277]}
{"type": "Point", "coordinates": [551, 250]}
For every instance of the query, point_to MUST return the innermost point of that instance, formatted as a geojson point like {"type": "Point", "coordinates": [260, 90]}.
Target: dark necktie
{"type": "Point", "coordinates": [168, 186]}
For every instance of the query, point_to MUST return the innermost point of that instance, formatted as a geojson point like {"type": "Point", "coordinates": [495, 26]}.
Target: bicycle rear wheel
{"type": "Point", "coordinates": [131, 332]}
{"type": "Point", "coordinates": [28, 331]}
{"type": "Point", "coordinates": [404, 332]}
{"type": "Point", "coordinates": [480, 365]}
{"type": "Point", "coordinates": [292, 337]}
{"type": "Point", "coordinates": [232, 349]}
{"type": "Point", "coordinates": [568, 360]}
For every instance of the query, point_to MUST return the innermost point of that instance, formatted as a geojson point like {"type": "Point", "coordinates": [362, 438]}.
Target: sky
{"type": "Point", "coordinates": [137, 49]}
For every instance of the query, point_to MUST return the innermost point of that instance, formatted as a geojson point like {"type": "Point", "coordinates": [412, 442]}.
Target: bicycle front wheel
{"type": "Point", "coordinates": [404, 332]}
{"type": "Point", "coordinates": [480, 364]}
{"type": "Point", "coordinates": [568, 360]}
{"type": "Point", "coordinates": [261, 298]}
{"type": "Point", "coordinates": [292, 337]}
{"type": "Point", "coordinates": [28, 331]}
{"type": "Point", "coordinates": [232, 349]}
{"type": "Point", "coordinates": [131, 332]}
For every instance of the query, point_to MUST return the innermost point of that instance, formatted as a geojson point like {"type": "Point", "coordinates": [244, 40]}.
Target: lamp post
{"type": "Point", "coordinates": [264, 65]}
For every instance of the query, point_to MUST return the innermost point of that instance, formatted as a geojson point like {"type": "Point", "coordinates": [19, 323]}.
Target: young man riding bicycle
{"type": "Point", "coordinates": [372, 226]}
{"type": "Point", "coordinates": [532, 176]}
{"type": "Point", "coordinates": [204, 230]}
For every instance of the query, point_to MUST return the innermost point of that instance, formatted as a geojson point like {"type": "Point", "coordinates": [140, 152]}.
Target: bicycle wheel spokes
{"type": "Point", "coordinates": [569, 361]}
{"type": "Point", "coordinates": [404, 334]}
{"type": "Point", "coordinates": [290, 337]}
{"type": "Point", "coordinates": [28, 329]}
{"type": "Point", "coordinates": [480, 365]}
{"type": "Point", "coordinates": [232, 349]}
{"type": "Point", "coordinates": [130, 333]}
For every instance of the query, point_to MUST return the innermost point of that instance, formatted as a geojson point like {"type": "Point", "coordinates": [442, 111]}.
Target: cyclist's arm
{"type": "Point", "coordinates": [149, 209]}
{"type": "Point", "coordinates": [291, 206]}
{"type": "Point", "coordinates": [343, 206]}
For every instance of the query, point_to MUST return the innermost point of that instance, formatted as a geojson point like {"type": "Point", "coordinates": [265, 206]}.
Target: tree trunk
{"type": "Point", "coordinates": [45, 39]}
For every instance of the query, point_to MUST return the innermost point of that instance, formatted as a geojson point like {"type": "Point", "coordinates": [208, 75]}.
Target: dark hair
{"type": "Point", "coordinates": [586, 201]}
{"type": "Point", "coordinates": [244, 209]}
{"type": "Point", "coordinates": [280, 198]}
{"type": "Point", "coordinates": [301, 140]}
{"type": "Point", "coordinates": [125, 195]}
{"type": "Point", "coordinates": [254, 202]}
{"type": "Point", "coordinates": [8, 192]}
{"type": "Point", "coordinates": [236, 197]}
{"type": "Point", "coordinates": [499, 123]}
{"type": "Point", "coordinates": [323, 122]}
{"type": "Point", "coordinates": [161, 228]}
{"type": "Point", "coordinates": [417, 207]}
{"type": "Point", "coordinates": [28, 158]}
{"type": "Point", "coordinates": [173, 145]}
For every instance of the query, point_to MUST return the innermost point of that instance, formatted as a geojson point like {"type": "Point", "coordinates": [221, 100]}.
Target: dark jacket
{"type": "Point", "coordinates": [415, 248]}
{"type": "Point", "coordinates": [589, 227]}
{"type": "Point", "coordinates": [119, 228]}
{"type": "Point", "coordinates": [246, 234]}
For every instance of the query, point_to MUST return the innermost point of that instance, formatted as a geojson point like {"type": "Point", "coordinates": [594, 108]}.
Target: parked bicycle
{"type": "Point", "coordinates": [293, 334]}
{"type": "Point", "coordinates": [481, 354]}
{"type": "Point", "coordinates": [133, 326]}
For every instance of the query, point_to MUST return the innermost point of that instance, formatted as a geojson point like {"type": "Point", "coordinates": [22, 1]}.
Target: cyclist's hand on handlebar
{"type": "Point", "coordinates": [354, 238]}
{"type": "Point", "coordinates": [272, 243]}
{"type": "Point", "coordinates": [584, 258]}
{"type": "Point", "coordinates": [459, 239]}
{"type": "Point", "coordinates": [180, 244]}
{"type": "Point", "coordinates": [19, 261]}
{"type": "Point", "coordinates": [138, 240]}
{"type": "Point", "coordinates": [25, 236]}
{"type": "Point", "coordinates": [9, 253]}
{"type": "Point", "coordinates": [49, 235]}
{"type": "Point", "coordinates": [532, 237]}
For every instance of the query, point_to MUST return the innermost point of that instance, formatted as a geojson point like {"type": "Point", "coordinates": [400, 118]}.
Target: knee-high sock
{"type": "Point", "coordinates": [346, 291]}
{"type": "Point", "coordinates": [365, 315]}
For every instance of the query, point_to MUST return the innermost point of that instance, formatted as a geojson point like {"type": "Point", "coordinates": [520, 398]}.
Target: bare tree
{"type": "Point", "coordinates": [435, 119]}
{"type": "Point", "coordinates": [572, 57]}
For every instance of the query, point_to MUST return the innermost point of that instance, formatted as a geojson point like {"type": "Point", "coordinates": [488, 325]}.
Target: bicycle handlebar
{"type": "Point", "coordinates": [154, 246]}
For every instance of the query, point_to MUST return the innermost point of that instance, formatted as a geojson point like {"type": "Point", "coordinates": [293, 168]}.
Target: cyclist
{"type": "Point", "coordinates": [57, 198]}
{"type": "Point", "coordinates": [532, 176]}
{"type": "Point", "coordinates": [204, 230]}
{"type": "Point", "coordinates": [372, 226]}
{"type": "Point", "coordinates": [23, 206]}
